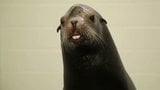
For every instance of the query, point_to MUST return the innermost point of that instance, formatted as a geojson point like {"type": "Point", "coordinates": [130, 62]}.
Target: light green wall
{"type": "Point", "coordinates": [30, 53]}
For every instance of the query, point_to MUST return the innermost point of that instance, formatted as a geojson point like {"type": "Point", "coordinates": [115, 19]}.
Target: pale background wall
{"type": "Point", "coordinates": [30, 55]}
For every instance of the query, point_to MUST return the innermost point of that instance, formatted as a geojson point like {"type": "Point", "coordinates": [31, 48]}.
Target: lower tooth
{"type": "Point", "coordinates": [75, 37]}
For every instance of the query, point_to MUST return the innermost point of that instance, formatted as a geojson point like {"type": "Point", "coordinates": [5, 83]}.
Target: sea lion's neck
{"type": "Point", "coordinates": [88, 69]}
{"type": "Point", "coordinates": [80, 68]}
{"type": "Point", "coordinates": [83, 59]}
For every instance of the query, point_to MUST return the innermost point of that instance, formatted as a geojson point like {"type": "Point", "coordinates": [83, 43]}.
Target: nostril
{"type": "Point", "coordinates": [74, 22]}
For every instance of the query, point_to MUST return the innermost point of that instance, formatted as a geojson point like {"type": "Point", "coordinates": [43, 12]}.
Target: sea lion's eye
{"type": "Point", "coordinates": [62, 21]}
{"type": "Point", "coordinates": [92, 18]}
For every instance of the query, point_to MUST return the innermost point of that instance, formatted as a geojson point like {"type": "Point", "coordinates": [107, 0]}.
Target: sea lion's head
{"type": "Point", "coordinates": [81, 27]}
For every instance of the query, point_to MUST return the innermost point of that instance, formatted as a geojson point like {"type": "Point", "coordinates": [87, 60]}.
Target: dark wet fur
{"type": "Point", "coordinates": [93, 63]}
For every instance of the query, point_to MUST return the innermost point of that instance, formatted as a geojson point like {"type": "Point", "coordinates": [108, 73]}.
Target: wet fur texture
{"type": "Point", "coordinates": [91, 62]}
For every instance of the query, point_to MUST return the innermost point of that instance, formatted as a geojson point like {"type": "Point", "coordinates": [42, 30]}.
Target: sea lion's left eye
{"type": "Point", "coordinates": [92, 18]}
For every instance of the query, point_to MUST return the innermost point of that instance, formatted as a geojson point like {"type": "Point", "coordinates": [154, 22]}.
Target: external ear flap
{"type": "Point", "coordinates": [103, 20]}
{"type": "Point", "coordinates": [59, 27]}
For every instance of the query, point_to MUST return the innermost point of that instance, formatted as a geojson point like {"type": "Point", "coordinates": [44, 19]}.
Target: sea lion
{"type": "Point", "coordinates": [90, 58]}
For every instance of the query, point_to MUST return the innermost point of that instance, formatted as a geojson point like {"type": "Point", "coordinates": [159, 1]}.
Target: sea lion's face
{"type": "Point", "coordinates": [81, 27]}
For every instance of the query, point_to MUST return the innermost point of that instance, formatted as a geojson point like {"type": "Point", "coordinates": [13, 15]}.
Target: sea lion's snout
{"type": "Point", "coordinates": [74, 22]}
{"type": "Point", "coordinates": [75, 36]}
{"type": "Point", "coordinates": [75, 31]}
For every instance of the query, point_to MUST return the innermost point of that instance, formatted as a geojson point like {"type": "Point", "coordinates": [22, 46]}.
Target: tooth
{"type": "Point", "coordinates": [76, 37]}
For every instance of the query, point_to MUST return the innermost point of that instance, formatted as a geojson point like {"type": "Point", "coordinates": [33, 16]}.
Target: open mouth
{"type": "Point", "coordinates": [76, 37]}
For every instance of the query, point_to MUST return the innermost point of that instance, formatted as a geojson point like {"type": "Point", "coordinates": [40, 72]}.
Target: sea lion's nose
{"type": "Point", "coordinates": [74, 22]}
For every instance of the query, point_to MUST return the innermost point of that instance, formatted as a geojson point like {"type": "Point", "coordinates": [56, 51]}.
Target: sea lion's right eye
{"type": "Point", "coordinates": [62, 21]}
